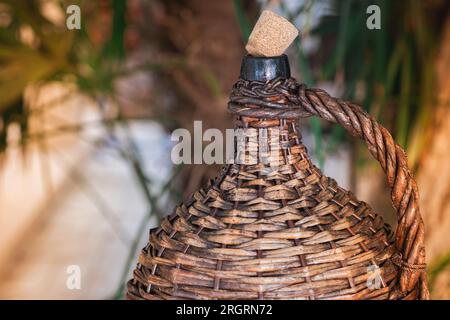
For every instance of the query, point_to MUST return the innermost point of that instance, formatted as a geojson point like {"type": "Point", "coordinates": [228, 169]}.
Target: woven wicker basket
{"type": "Point", "coordinates": [280, 229]}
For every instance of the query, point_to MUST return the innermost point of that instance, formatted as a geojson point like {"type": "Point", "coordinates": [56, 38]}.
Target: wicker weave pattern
{"type": "Point", "coordinates": [288, 233]}
{"type": "Point", "coordinates": [283, 98]}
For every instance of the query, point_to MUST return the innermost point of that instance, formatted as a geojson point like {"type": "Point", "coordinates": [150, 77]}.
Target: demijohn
{"type": "Point", "coordinates": [271, 225]}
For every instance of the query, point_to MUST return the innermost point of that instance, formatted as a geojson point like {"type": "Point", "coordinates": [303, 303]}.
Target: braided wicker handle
{"type": "Point", "coordinates": [392, 158]}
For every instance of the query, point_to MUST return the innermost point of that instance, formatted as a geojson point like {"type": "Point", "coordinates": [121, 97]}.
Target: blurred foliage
{"type": "Point", "coordinates": [437, 267]}
{"type": "Point", "coordinates": [389, 71]}
{"type": "Point", "coordinates": [22, 63]}
{"type": "Point", "coordinates": [392, 67]}
{"type": "Point", "coordinates": [35, 49]}
{"type": "Point", "coordinates": [244, 23]}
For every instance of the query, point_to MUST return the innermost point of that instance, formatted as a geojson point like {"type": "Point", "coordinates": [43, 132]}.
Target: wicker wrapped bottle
{"type": "Point", "coordinates": [272, 226]}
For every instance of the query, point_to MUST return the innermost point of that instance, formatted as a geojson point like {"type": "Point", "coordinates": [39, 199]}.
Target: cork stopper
{"type": "Point", "coordinates": [271, 36]}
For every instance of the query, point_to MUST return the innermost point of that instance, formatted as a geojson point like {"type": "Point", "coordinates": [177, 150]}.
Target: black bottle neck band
{"type": "Point", "coordinates": [265, 68]}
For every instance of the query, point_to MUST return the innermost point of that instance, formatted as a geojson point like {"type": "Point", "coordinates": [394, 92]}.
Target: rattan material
{"type": "Point", "coordinates": [261, 231]}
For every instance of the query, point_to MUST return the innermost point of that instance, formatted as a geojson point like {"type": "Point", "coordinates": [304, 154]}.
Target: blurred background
{"type": "Point", "coordinates": [90, 92]}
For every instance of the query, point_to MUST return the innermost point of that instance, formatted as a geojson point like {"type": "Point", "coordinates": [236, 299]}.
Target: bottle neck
{"type": "Point", "coordinates": [270, 142]}
{"type": "Point", "coordinates": [265, 68]}
{"type": "Point", "coordinates": [262, 137]}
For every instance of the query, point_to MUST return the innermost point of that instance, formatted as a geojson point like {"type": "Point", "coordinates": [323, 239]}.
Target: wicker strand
{"type": "Point", "coordinates": [285, 98]}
